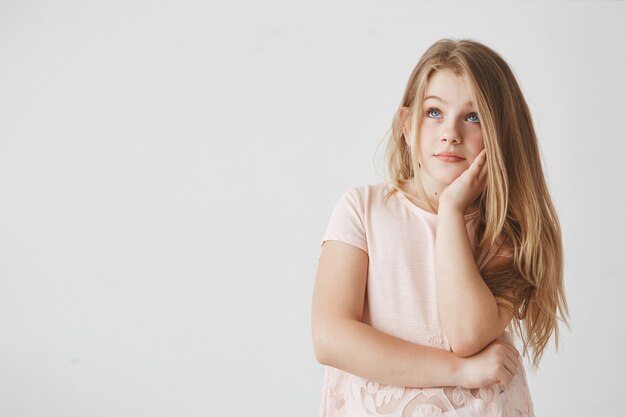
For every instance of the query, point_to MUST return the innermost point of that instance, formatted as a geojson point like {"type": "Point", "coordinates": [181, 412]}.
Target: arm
{"type": "Point", "coordinates": [342, 341]}
{"type": "Point", "coordinates": [469, 314]}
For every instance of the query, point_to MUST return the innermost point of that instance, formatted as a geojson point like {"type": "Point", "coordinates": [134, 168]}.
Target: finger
{"type": "Point", "coordinates": [514, 356]}
{"type": "Point", "coordinates": [478, 162]}
{"type": "Point", "coordinates": [506, 377]}
{"type": "Point", "coordinates": [481, 157]}
{"type": "Point", "coordinates": [503, 376]}
{"type": "Point", "coordinates": [512, 349]}
{"type": "Point", "coordinates": [483, 169]}
{"type": "Point", "coordinates": [482, 178]}
{"type": "Point", "coordinates": [510, 365]}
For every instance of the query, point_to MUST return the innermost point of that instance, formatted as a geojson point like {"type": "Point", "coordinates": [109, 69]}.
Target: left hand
{"type": "Point", "coordinates": [468, 186]}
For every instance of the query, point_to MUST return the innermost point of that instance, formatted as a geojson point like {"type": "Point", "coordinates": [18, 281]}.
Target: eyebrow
{"type": "Point", "coordinates": [443, 101]}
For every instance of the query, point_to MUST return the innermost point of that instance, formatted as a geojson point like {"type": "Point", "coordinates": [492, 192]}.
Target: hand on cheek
{"type": "Point", "coordinates": [468, 186]}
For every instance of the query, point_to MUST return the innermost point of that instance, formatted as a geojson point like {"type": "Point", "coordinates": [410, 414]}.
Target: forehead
{"type": "Point", "coordinates": [448, 87]}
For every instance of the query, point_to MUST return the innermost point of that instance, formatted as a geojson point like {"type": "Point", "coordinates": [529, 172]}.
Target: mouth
{"type": "Point", "coordinates": [449, 157]}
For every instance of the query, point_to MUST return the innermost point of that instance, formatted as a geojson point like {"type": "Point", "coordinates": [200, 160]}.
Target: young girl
{"type": "Point", "coordinates": [421, 278]}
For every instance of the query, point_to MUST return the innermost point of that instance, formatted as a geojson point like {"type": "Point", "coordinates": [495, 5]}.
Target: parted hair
{"type": "Point", "coordinates": [515, 208]}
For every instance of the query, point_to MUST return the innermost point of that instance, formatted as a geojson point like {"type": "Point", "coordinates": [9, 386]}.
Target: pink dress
{"type": "Point", "coordinates": [401, 300]}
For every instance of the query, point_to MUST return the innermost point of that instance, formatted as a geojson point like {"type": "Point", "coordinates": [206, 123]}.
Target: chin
{"type": "Point", "coordinates": [447, 179]}
{"type": "Point", "coordinates": [443, 175]}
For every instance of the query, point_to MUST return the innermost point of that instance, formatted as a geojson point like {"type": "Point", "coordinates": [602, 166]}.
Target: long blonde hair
{"type": "Point", "coordinates": [515, 207]}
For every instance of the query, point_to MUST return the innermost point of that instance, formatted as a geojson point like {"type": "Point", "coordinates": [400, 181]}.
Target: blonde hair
{"type": "Point", "coordinates": [515, 207]}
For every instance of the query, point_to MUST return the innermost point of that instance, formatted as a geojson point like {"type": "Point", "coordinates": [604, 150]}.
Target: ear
{"type": "Point", "coordinates": [403, 115]}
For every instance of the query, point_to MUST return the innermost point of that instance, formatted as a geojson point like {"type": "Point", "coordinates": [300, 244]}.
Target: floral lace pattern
{"type": "Point", "coordinates": [351, 395]}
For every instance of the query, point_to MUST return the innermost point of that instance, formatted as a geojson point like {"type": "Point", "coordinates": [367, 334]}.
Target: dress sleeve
{"type": "Point", "coordinates": [497, 250]}
{"type": "Point", "coordinates": [346, 221]}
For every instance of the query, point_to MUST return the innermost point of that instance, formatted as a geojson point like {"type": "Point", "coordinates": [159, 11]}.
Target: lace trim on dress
{"type": "Point", "coordinates": [354, 395]}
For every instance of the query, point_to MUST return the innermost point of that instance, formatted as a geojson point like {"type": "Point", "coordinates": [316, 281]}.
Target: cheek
{"type": "Point", "coordinates": [427, 139]}
{"type": "Point", "coordinates": [425, 149]}
{"type": "Point", "coordinates": [476, 143]}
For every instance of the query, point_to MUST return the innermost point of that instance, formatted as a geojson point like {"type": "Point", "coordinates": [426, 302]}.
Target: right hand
{"type": "Point", "coordinates": [495, 364]}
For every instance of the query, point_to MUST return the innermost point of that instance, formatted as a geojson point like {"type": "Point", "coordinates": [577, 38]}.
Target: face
{"type": "Point", "coordinates": [450, 124]}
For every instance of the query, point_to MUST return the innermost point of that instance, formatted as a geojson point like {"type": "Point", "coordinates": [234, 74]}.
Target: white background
{"type": "Point", "coordinates": [167, 169]}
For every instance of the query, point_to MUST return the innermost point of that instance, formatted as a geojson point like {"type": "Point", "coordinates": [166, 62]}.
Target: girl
{"type": "Point", "coordinates": [421, 278]}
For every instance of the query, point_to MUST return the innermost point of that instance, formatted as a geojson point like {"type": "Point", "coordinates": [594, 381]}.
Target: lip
{"type": "Point", "coordinates": [449, 157]}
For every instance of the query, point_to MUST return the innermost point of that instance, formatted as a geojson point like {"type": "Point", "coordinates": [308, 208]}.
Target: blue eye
{"type": "Point", "coordinates": [431, 110]}
{"type": "Point", "coordinates": [474, 115]}
{"type": "Point", "coordinates": [434, 110]}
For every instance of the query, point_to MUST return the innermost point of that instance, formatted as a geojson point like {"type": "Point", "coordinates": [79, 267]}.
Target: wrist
{"type": "Point", "coordinates": [448, 208]}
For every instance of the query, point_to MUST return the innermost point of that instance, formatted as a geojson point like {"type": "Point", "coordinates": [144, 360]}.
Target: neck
{"type": "Point", "coordinates": [433, 190]}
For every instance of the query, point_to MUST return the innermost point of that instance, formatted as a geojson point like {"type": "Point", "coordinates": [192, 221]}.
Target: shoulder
{"type": "Point", "coordinates": [368, 189]}
{"type": "Point", "coordinates": [366, 194]}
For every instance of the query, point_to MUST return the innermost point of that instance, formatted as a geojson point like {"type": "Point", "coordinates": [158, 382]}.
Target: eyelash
{"type": "Point", "coordinates": [437, 110]}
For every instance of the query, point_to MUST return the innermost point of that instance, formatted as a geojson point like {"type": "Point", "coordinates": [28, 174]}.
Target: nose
{"type": "Point", "coordinates": [451, 133]}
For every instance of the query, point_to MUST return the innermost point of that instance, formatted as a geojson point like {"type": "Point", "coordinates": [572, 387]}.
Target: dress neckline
{"type": "Point", "coordinates": [425, 213]}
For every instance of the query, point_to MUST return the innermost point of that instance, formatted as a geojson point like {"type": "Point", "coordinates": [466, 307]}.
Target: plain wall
{"type": "Point", "coordinates": [167, 169]}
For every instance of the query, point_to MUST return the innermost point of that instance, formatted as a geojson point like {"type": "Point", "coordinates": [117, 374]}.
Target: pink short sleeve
{"type": "Point", "coordinates": [346, 221]}
{"type": "Point", "coordinates": [497, 250]}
